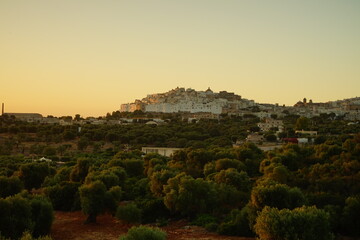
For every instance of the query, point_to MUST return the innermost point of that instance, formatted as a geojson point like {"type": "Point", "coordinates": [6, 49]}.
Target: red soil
{"type": "Point", "coordinates": [70, 226]}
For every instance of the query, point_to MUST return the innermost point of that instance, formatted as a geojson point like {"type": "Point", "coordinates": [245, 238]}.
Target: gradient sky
{"type": "Point", "coordinates": [84, 56]}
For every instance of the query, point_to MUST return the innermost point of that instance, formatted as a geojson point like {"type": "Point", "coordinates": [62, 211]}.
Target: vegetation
{"type": "Point", "coordinates": [143, 232]}
{"type": "Point", "coordinates": [312, 189]}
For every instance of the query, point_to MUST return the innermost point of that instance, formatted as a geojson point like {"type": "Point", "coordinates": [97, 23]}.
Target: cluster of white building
{"type": "Point", "coordinates": [189, 100]}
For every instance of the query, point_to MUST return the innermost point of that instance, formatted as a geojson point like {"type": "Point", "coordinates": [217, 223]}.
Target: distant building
{"type": "Point", "coordinates": [27, 117]}
{"type": "Point", "coordinates": [160, 150]}
{"type": "Point", "coordinates": [255, 138]}
{"type": "Point", "coordinates": [189, 101]}
{"type": "Point", "coordinates": [303, 132]}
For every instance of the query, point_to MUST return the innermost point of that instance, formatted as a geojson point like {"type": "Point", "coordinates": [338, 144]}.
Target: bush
{"type": "Point", "coordinates": [64, 196]}
{"type": "Point", "coordinates": [42, 215]}
{"type": "Point", "coordinates": [143, 232]}
{"type": "Point", "coordinates": [306, 223]}
{"type": "Point", "coordinates": [129, 213]}
{"type": "Point", "coordinates": [350, 221]}
{"type": "Point", "coordinates": [15, 217]}
{"type": "Point", "coordinates": [203, 219]}
{"type": "Point", "coordinates": [20, 214]}
{"type": "Point", "coordinates": [238, 223]}
{"type": "Point", "coordinates": [10, 186]}
{"type": "Point", "coordinates": [27, 236]}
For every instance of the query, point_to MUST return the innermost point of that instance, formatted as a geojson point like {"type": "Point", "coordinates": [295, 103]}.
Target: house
{"type": "Point", "coordinates": [27, 117]}
{"type": "Point", "coordinates": [255, 138]}
{"type": "Point", "coordinates": [160, 150]}
{"type": "Point", "coordinates": [303, 132]}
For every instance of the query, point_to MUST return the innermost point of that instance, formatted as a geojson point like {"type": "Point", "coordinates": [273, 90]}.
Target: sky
{"type": "Point", "coordinates": [89, 56]}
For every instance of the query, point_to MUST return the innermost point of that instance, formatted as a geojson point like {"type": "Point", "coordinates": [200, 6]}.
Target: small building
{"type": "Point", "coordinates": [303, 132]}
{"type": "Point", "coordinates": [255, 138]}
{"type": "Point", "coordinates": [27, 117]}
{"type": "Point", "coordinates": [167, 152]}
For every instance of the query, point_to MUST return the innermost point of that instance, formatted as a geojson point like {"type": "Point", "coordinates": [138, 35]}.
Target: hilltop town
{"type": "Point", "coordinates": [196, 105]}
{"type": "Point", "coordinates": [181, 100]}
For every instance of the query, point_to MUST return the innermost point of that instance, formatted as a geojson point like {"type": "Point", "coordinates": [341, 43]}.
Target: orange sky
{"type": "Point", "coordinates": [89, 56]}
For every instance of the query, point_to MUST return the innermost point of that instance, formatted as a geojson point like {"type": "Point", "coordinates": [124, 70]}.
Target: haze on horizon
{"type": "Point", "coordinates": [89, 56]}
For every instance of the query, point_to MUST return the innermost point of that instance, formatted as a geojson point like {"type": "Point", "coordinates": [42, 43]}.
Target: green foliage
{"type": "Point", "coordinates": [153, 210]}
{"type": "Point", "coordinates": [112, 198]}
{"type": "Point", "coordinates": [129, 213]}
{"type": "Point", "coordinates": [33, 174]}
{"type": "Point", "coordinates": [64, 196]}
{"type": "Point", "coordinates": [159, 179]}
{"type": "Point", "coordinates": [302, 123]}
{"type": "Point", "coordinates": [15, 217]}
{"type": "Point", "coordinates": [238, 223]}
{"type": "Point", "coordinates": [203, 219]}
{"type": "Point", "coordinates": [276, 195]}
{"type": "Point", "coordinates": [25, 213]}
{"type": "Point", "coordinates": [143, 232]}
{"type": "Point", "coordinates": [134, 167]}
{"type": "Point", "coordinates": [108, 177]}
{"type": "Point", "coordinates": [10, 186]}
{"type": "Point", "coordinates": [230, 176]}
{"type": "Point", "coordinates": [306, 223]}
{"type": "Point", "coordinates": [42, 215]}
{"type": "Point", "coordinates": [228, 198]}
{"type": "Point", "coordinates": [350, 221]}
{"type": "Point", "coordinates": [80, 171]}
{"type": "Point", "coordinates": [223, 164]}
{"type": "Point", "coordinates": [189, 196]}
{"type": "Point", "coordinates": [92, 197]}
{"type": "Point", "coordinates": [27, 236]}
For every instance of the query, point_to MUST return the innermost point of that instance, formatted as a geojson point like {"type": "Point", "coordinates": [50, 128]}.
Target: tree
{"type": "Point", "coordinates": [276, 195]}
{"type": "Point", "coordinates": [350, 221]}
{"type": "Point", "coordinates": [33, 174]}
{"type": "Point", "coordinates": [42, 215]}
{"type": "Point", "coordinates": [80, 171]}
{"type": "Point", "coordinates": [305, 223]}
{"type": "Point", "coordinates": [15, 217]}
{"type": "Point", "coordinates": [189, 196]}
{"type": "Point", "coordinates": [92, 198]}
{"type": "Point", "coordinates": [302, 123]}
{"type": "Point", "coordinates": [226, 163]}
{"type": "Point", "coordinates": [230, 176]}
{"type": "Point", "coordinates": [64, 196]}
{"type": "Point", "coordinates": [10, 186]}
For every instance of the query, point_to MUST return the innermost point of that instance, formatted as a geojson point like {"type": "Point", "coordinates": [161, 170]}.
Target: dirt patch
{"type": "Point", "coordinates": [70, 226]}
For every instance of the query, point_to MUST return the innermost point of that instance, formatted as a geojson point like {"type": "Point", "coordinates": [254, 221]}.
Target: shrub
{"type": "Point", "coordinates": [15, 217]}
{"type": "Point", "coordinates": [42, 215]}
{"type": "Point", "coordinates": [238, 223]}
{"type": "Point", "coordinates": [64, 196]}
{"type": "Point", "coordinates": [129, 213]}
{"type": "Point", "coordinates": [10, 186]}
{"type": "Point", "coordinates": [350, 218]}
{"type": "Point", "coordinates": [203, 219]}
{"type": "Point", "coordinates": [143, 232]}
{"type": "Point", "coordinates": [306, 223]}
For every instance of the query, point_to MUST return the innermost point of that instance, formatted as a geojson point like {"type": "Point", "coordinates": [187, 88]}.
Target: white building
{"type": "Point", "coordinates": [160, 150]}
{"type": "Point", "coordinates": [191, 101]}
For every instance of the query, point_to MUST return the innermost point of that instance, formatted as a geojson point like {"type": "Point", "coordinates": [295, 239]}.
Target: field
{"type": "Point", "coordinates": [70, 226]}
